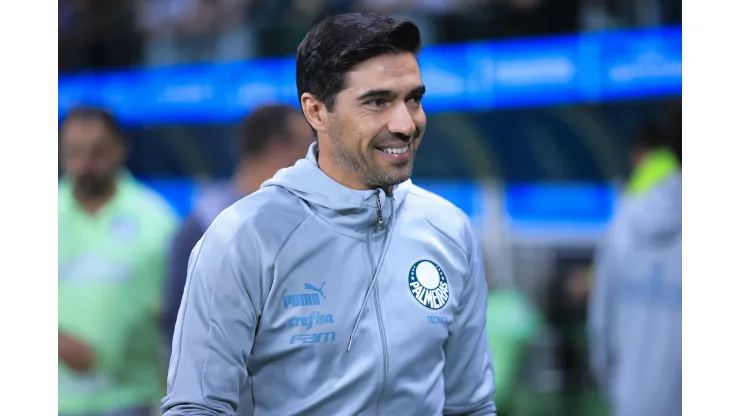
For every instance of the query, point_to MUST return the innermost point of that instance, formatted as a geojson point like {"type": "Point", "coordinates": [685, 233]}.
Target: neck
{"type": "Point", "coordinates": [332, 169]}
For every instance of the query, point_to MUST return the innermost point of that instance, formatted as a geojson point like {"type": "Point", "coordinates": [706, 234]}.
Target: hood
{"type": "Point", "coordinates": [343, 208]}
{"type": "Point", "coordinates": [658, 212]}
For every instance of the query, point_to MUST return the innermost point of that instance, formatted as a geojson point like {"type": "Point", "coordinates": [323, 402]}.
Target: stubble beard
{"type": "Point", "coordinates": [371, 175]}
{"type": "Point", "coordinates": [94, 186]}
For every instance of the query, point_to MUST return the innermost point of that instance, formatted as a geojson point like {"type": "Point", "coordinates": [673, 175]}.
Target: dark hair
{"type": "Point", "coordinates": [672, 120]}
{"type": "Point", "coordinates": [99, 114]}
{"type": "Point", "coordinates": [649, 135]}
{"type": "Point", "coordinates": [663, 130]}
{"type": "Point", "coordinates": [263, 125]}
{"type": "Point", "coordinates": [339, 43]}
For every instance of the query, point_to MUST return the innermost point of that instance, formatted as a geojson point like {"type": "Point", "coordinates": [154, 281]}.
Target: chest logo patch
{"type": "Point", "coordinates": [428, 284]}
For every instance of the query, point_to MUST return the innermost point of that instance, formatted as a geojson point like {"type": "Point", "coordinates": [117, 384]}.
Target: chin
{"type": "Point", "coordinates": [402, 175]}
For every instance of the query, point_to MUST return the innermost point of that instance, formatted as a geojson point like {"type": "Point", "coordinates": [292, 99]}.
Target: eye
{"type": "Point", "coordinates": [377, 103]}
{"type": "Point", "coordinates": [416, 100]}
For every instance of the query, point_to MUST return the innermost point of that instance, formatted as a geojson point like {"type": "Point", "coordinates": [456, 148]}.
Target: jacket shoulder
{"type": "Point", "coordinates": [264, 219]}
{"type": "Point", "coordinates": [442, 215]}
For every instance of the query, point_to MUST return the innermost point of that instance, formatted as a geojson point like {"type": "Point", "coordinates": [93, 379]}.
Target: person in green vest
{"type": "Point", "coordinates": [512, 323]}
{"type": "Point", "coordinates": [113, 238]}
{"type": "Point", "coordinates": [652, 159]}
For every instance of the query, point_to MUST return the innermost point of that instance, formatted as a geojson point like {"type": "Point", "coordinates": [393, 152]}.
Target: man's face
{"type": "Point", "coordinates": [90, 155]}
{"type": "Point", "coordinates": [377, 122]}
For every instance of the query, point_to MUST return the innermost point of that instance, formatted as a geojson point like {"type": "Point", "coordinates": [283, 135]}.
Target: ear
{"type": "Point", "coordinates": [314, 111]}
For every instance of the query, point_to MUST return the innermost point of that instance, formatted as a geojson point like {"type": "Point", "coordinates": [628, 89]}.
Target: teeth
{"type": "Point", "coordinates": [396, 151]}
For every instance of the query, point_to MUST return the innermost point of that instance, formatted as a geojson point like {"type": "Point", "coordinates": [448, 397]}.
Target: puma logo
{"type": "Point", "coordinates": [319, 290]}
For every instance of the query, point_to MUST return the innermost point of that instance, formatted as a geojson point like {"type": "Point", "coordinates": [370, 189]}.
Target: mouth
{"type": "Point", "coordinates": [394, 150]}
{"type": "Point", "coordinates": [395, 154]}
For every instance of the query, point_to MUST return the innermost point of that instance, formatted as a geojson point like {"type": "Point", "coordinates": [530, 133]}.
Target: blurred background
{"type": "Point", "coordinates": [538, 111]}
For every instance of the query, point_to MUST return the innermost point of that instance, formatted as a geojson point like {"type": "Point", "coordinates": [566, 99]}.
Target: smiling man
{"type": "Point", "coordinates": [340, 288]}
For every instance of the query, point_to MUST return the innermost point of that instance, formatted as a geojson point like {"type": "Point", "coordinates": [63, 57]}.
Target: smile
{"type": "Point", "coordinates": [395, 150]}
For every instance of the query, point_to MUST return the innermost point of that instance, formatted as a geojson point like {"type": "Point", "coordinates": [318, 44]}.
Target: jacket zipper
{"type": "Point", "coordinates": [374, 286]}
{"type": "Point", "coordinates": [373, 281]}
{"type": "Point", "coordinates": [381, 327]}
{"type": "Point", "coordinates": [378, 208]}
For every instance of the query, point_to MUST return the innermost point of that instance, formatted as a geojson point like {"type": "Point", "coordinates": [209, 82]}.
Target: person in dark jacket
{"type": "Point", "coordinates": [271, 137]}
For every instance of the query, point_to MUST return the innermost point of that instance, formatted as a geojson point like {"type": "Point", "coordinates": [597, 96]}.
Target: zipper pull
{"type": "Point", "coordinates": [378, 208]}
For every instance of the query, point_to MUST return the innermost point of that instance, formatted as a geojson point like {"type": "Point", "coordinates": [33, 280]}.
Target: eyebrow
{"type": "Point", "coordinates": [383, 93]}
{"type": "Point", "coordinates": [375, 93]}
{"type": "Point", "coordinates": [420, 90]}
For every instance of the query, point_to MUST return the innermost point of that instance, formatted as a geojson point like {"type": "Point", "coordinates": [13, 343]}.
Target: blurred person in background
{"type": "Point", "coordinates": [271, 137]}
{"type": "Point", "coordinates": [297, 285]}
{"type": "Point", "coordinates": [635, 306]}
{"type": "Point", "coordinates": [568, 314]}
{"type": "Point", "coordinates": [113, 238]}
{"type": "Point", "coordinates": [652, 158]}
{"type": "Point", "coordinates": [512, 323]}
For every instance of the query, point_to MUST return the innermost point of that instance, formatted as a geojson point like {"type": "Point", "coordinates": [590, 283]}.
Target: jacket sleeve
{"type": "Point", "coordinates": [468, 371]}
{"type": "Point", "coordinates": [215, 325]}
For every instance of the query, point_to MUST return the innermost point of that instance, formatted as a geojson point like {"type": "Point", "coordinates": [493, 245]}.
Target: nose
{"type": "Point", "coordinates": [402, 123]}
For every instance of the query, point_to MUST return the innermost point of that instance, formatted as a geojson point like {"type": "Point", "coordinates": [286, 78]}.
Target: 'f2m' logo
{"type": "Point", "coordinates": [322, 337]}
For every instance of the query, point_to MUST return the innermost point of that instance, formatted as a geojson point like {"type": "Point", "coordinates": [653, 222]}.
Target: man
{"type": "Point", "coordinates": [652, 158]}
{"type": "Point", "coordinates": [512, 323]}
{"type": "Point", "coordinates": [113, 236]}
{"type": "Point", "coordinates": [635, 308]}
{"type": "Point", "coordinates": [270, 138]}
{"type": "Point", "coordinates": [340, 288]}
